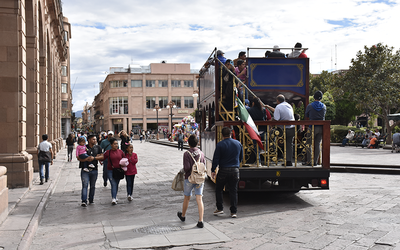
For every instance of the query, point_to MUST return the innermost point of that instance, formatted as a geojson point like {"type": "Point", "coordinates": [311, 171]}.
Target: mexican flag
{"type": "Point", "coordinates": [249, 123]}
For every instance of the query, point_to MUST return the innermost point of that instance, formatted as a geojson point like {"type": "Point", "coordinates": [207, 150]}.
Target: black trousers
{"type": "Point", "coordinates": [229, 177]}
{"type": "Point", "coordinates": [180, 145]}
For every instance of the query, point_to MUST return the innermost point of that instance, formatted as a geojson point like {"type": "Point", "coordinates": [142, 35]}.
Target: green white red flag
{"type": "Point", "coordinates": [249, 123]}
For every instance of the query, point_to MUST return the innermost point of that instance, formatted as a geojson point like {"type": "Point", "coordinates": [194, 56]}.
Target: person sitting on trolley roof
{"type": "Point", "coordinates": [297, 53]}
{"type": "Point", "coordinates": [276, 52]}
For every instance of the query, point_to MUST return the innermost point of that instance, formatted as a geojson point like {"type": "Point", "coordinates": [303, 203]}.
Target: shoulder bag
{"type": "Point", "coordinates": [177, 183]}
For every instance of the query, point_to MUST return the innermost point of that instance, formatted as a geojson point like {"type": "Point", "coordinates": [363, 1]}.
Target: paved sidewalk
{"type": "Point", "coordinates": [66, 225]}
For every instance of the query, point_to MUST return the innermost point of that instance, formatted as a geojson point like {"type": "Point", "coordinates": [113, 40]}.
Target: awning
{"type": "Point", "coordinates": [394, 117]}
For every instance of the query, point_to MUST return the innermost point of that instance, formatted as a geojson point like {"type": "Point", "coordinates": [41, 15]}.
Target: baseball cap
{"type": "Point", "coordinates": [220, 52]}
{"type": "Point", "coordinates": [318, 95]}
{"type": "Point", "coordinates": [110, 133]}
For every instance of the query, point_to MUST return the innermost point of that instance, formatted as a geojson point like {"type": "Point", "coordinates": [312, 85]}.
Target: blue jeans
{"type": "Point", "coordinates": [114, 184]}
{"type": "Point", "coordinates": [41, 170]}
{"type": "Point", "coordinates": [130, 180]}
{"type": "Point", "coordinates": [229, 177]}
{"type": "Point", "coordinates": [105, 176]}
{"type": "Point", "coordinates": [345, 141]}
{"type": "Point", "coordinates": [188, 187]}
{"type": "Point", "coordinates": [88, 178]}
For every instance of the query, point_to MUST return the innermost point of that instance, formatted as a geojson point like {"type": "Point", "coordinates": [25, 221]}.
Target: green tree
{"type": "Point", "coordinates": [321, 82]}
{"type": "Point", "coordinates": [346, 110]}
{"type": "Point", "coordinates": [373, 81]}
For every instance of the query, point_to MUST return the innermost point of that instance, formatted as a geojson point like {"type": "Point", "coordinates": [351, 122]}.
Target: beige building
{"type": "Point", "coordinates": [34, 63]}
{"type": "Point", "coordinates": [128, 97]}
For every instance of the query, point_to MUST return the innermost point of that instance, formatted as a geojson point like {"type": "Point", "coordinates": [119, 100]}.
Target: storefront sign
{"type": "Point", "coordinates": [184, 111]}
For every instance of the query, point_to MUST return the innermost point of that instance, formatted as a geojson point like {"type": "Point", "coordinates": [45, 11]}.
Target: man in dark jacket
{"type": "Point", "coordinates": [315, 111]}
{"type": "Point", "coordinates": [227, 156]}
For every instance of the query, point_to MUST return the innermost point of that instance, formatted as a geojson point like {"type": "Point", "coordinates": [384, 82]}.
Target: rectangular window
{"type": "Point", "coordinates": [163, 83]}
{"type": "Point", "coordinates": [136, 83]}
{"type": "Point", "coordinates": [177, 101]}
{"type": "Point", "coordinates": [150, 102]}
{"type": "Point", "coordinates": [65, 36]}
{"type": "Point", "coordinates": [119, 84]}
{"type": "Point", "coordinates": [64, 70]}
{"type": "Point", "coordinates": [188, 84]}
{"type": "Point", "coordinates": [188, 102]}
{"type": "Point", "coordinates": [150, 83]}
{"type": "Point", "coordinates": [118, 105]}
{"type": "Point", "coordinates": [162, 101]}
{"type": "Point", "coordinates": [175, 83]}
{"type": "Point", "coordinates": [64, 87]}
{"type": "Point", "coordinates": [64, 104]}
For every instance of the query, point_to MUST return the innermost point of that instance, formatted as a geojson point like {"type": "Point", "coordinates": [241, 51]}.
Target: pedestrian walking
{"type": "Point", "coordinates": [188, 156]}
{"type": "Point", "coordinates": [124, 140]}
{"type": "Point", "coordinates": [114, 155]}
{"type": "Point", "coordinates": [70, 145]}
{"type": "Point", "coordinates": [105, 145]}
{"type": "Point", "coordinates": [131, 170]}
{"type": "Point", "coordinates": [180, 140]}
{"type": "Point", "coordinates": [227, 155]}
{"type": "Point", "coordinates": [45, 158]}
{"type": "Point", "coordinates": [89, 177]}
{"type": "Point", "coordinates": [316, 112]}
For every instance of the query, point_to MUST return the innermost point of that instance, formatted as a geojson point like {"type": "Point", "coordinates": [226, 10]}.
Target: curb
{"type": "Point", "coordinates": [335, 167]}
{"type": "Point", "coordinates": [33, 225]}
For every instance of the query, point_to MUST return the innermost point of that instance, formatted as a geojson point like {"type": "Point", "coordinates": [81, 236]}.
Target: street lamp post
{"type": "Point", "coordinates": [170, 106]}
{"type": "Point", "coordinates": [157, 109]}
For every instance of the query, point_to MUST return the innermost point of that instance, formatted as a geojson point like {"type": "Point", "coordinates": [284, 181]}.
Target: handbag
{"type": "Point", "coordinates": [118, 173]}
{"type": "Point", "coordinates": [177, 183]}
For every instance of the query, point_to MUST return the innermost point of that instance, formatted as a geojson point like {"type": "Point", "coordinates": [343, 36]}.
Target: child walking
{"type": "Point", "coordinates": [81, 153]}
{"type": "Point", "coordinates": [131, 171]}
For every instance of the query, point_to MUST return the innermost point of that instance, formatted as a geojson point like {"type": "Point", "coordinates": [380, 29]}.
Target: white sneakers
{"type": "Point", "coordinates": [114, 201]}
{"type": "Point", "coordinates": [130, 198]}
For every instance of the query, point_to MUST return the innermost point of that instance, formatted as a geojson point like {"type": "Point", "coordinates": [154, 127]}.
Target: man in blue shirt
{"type": "Point", "coordinates": [228, 155]}
{"type": "Point", "coordinates": [105, 145]}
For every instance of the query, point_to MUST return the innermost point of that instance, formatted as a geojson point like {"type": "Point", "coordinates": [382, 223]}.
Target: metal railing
{"type": "Point", "coordinates": [273, 137]}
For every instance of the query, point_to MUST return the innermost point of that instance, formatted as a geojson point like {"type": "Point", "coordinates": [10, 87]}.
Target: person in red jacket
{"type": "Point", "coordinates": [114, 156]}
{"type": "Point", "coordinates": [132, 171]}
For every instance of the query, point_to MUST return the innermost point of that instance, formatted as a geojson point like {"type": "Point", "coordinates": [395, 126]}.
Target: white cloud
{"type": "Point", "coordinates": [113, 33]}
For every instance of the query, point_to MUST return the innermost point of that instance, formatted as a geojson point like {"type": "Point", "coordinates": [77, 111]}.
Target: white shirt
{"type": "Point", "coordinates": [284, 112]}
{"type": "Point", "coordinates": [44, 146]}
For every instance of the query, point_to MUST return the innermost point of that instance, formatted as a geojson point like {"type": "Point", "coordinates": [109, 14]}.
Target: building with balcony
{"type": "Point", "coordinates": [66, 92]}
{"type": "Point", "coordinates": [34, 62]}
{"type": "Point", "coordinates": [129, 97]}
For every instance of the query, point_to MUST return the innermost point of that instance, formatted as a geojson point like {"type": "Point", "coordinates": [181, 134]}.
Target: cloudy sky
{"type": "Point", "coordinates": [117, 33]}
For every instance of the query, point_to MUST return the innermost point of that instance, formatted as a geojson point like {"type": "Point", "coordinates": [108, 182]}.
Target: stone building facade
{"type": "Point", "coordinates": [128, 97]}
{"type": "Point", "coordinates": [33, 48]}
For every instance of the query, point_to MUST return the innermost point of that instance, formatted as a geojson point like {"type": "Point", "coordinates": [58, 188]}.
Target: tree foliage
{"type": "Point", "coordinates": [322, 82]}
{"type": "Point", "coordinates": [373, 81]}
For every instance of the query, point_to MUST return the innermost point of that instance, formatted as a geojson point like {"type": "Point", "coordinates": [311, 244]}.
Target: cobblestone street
{"type": "Point", "coordinates": [360, 211]}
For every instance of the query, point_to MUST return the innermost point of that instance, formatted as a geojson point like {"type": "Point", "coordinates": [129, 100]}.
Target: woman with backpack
{"type": "Point", "coordinates": [189, 158]}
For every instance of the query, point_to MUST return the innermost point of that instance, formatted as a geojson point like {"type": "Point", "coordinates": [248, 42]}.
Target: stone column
{"type": "Point", "coordinates": [3, 194]}
{"type": "Point", "coordinates": [13, 94]}
{"type": "Point", "coordinates": [33, 86]}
